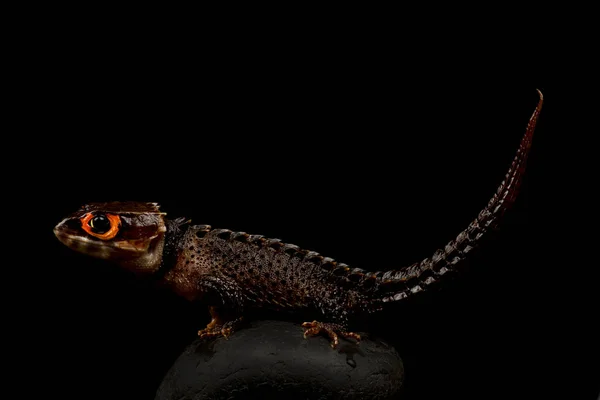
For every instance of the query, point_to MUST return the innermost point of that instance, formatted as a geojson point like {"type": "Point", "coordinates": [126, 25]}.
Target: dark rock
{"type": "Point", "coordinates": [270, 359]}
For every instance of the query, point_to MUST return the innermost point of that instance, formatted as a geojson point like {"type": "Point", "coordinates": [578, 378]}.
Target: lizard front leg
{"type": "Point", "coordinates": [221, 324]}
{"type": "Point", "coordinates": [226, 318]}
{"type": "Point", "coordinates": [332, 330]}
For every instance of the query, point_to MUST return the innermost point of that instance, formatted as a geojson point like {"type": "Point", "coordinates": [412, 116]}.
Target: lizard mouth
{"type": "Point", "coordinates": [74, 240]}
{"type": "Point", "coordinates": [84, 245]}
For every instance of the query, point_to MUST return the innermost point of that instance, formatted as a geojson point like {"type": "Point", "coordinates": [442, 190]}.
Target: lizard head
{"type": "Point", "coordinates": [128, 233]}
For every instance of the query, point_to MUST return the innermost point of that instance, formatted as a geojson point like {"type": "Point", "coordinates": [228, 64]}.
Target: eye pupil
{"type": "Point", "coordinates": [99, 224]}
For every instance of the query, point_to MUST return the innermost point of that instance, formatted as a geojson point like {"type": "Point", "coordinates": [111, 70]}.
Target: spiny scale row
{"type": "Point", "coordinates": [338, 269]}
{"type": "Point", "coordinates": [420, 275]}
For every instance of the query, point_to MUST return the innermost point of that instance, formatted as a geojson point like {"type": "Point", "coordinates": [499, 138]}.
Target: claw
{"type": "Point", "coordinates": [331, 329]}
{"type": "Point", "coordinates": [216, 331]}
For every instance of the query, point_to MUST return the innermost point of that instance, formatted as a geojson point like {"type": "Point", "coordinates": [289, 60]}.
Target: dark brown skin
{"type": "Point", "coordinates": [233, 272]}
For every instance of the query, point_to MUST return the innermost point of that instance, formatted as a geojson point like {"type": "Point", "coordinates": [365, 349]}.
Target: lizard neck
{"type": "Point", "coordinates": [176, 230]}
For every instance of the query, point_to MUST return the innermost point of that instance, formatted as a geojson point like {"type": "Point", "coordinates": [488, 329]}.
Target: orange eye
{"type": "Point", "coordinates": [102, 226]}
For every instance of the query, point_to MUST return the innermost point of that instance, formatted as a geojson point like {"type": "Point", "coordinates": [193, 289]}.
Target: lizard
{"type": "Point", "coordinates": [234, 271]}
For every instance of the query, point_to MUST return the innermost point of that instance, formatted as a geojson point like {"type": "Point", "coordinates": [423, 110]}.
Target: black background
{"type": "Point", "coordinates": [363, 158]}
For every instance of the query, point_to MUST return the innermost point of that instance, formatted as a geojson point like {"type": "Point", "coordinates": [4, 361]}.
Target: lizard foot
{"type": "Point", "coordinates": [219, 326]}
{"type": "Point", "coordinates": [215, 329]}
{"type": "Point", "coordinates": [331, 329]}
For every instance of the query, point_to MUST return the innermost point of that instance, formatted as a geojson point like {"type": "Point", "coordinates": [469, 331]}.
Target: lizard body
{"type": "Point", "coordinates": [235, 271]}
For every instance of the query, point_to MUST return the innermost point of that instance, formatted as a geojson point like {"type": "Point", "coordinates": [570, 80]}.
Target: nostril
{"type": "Point", "coordinates": [67, 225]}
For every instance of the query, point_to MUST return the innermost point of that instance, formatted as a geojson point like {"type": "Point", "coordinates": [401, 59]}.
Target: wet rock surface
{"type": "Point", "coordinates": [268, 359]}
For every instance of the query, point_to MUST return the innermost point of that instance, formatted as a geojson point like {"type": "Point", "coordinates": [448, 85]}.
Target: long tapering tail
{"type": "Point", "coordinates": [398, 284]}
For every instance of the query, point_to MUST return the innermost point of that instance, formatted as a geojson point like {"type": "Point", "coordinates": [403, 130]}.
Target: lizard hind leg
{"type": "Point", "coordinates": [332, 330]}
{"type": "Point", "coordinates": [219, 325]}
